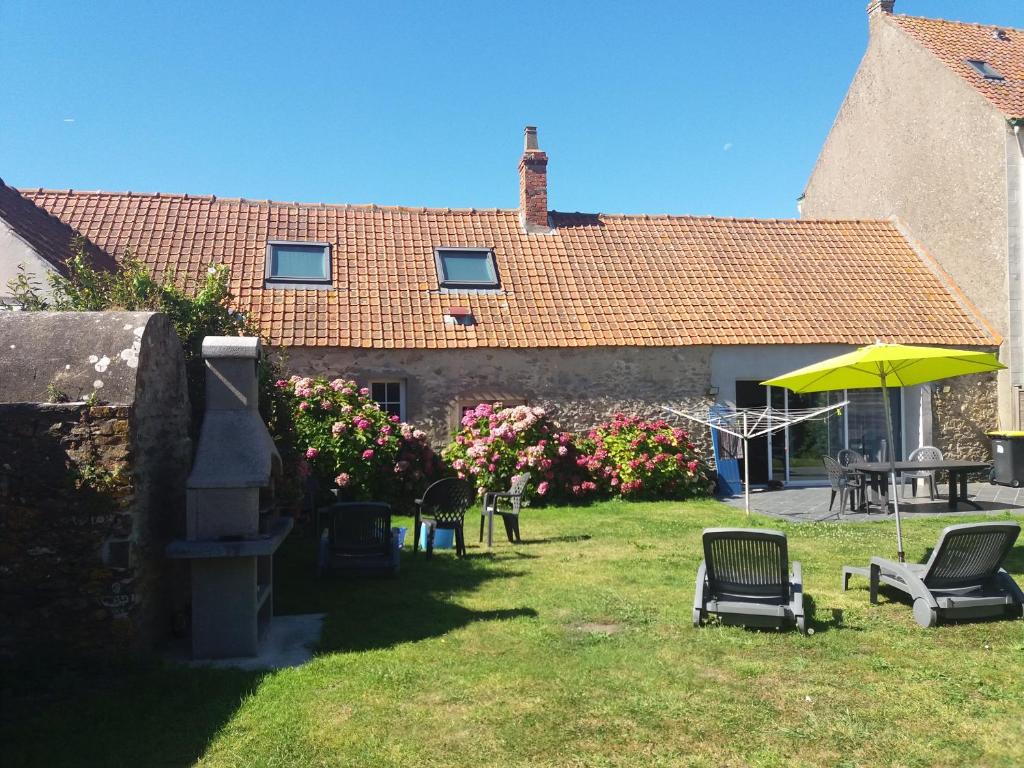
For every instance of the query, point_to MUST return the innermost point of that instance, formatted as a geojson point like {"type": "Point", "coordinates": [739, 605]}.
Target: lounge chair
{"type": "Point", "coordinates": [509, 512]}
{"type": "Point", "coordinates": [745, 579]}
{"type": "Point", "coordinates": [963, 578]}
{"type": "Point", "coordinates": [358, 537]}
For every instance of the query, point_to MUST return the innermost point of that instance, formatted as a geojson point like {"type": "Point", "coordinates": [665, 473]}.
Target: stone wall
{"type": "Point", "coordinates": [90, 491]}
{"type": "Point", "coordinates": [963, 411]}
{"type": "Point", "coordinates": [66, 496]}
{"type": "Point", "coordinates": [579, 386]}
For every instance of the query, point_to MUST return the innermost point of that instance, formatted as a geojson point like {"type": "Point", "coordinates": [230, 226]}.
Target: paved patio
{"type": "Point", "coordinates": [811, 504]}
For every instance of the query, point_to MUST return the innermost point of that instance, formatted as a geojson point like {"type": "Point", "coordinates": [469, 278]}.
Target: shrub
{"type": "Point", "coordinates": [638, 459]}
{"type": "Point", "coordinates": [497, 443]}
{"type": "Point", "coordinates": [347, 442]}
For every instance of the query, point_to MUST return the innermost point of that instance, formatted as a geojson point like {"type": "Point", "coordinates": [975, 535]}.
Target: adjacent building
{"type": "Point", "coordinates": [930, 136]}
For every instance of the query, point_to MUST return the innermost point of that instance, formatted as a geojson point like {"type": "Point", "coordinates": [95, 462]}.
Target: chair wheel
{"type": "Point", "coordinates": [696, 617]}
{"type": "Point", "coordinates": [924, 614]}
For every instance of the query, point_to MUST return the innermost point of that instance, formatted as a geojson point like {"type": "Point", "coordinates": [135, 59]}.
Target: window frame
{"type": "Point", "coordinates": [986, 70]}
{"type": "Point", "coordinates": [444, 282]}
{"type": "Point", "coordinates": [402, 400]}
{"type": "Point", "coordinates": [297, 282]}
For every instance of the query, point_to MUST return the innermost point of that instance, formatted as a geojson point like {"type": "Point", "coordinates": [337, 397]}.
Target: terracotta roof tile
{"type": "Point", "coordinates": [955, 42]}
{"type": "Point", "coordinates": [598, 280]}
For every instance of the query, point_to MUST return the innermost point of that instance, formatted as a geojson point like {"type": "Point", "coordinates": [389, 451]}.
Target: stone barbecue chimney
{"type": "Point", "coordinates": [533, 186]}
{"type": "Point", "coordinates": [881, 6]}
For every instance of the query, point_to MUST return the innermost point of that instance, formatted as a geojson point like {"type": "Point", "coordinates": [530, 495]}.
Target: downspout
{"type": "Point", "coordinates": [1016, 256]}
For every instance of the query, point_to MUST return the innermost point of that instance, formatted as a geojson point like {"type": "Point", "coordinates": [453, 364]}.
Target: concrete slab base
{"type": "Point", "coordinates": [289, 642]}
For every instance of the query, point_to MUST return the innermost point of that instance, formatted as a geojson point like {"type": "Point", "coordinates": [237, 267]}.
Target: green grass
{"type": "Point", "coordinates": [574, 649]}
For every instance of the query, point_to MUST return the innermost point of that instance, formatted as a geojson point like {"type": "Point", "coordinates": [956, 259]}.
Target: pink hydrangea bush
{"type": "Point", "coordinates": [636, 459]}
{"type": "Point", "coordinates": [497, 443]}
{"type": "Point", "coordinates": [347, 442]}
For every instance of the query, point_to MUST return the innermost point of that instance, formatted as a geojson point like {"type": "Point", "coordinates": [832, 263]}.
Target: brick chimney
{"type": "Point", "coordinates": [881, 6]}
{"type": "Point", "coordinates": [533, 186]}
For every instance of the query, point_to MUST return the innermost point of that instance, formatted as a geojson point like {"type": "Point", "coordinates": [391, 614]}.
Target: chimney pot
{"type": "Point", "coordinates": [530, 139]}
{"type": "Point", "coordinates": [881, 6]}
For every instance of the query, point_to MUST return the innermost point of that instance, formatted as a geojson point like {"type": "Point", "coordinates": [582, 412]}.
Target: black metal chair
{"type": "Point", "coordinates": [358, 537]}
{"type": "Point", "coordinates": [443, 507]}
{"type": "Point", "coordinates": [513, 499]}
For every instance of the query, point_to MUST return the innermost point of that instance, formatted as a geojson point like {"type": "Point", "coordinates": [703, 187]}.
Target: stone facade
{"type": "Point", "coordinates": [579, 386]}
{"type": "Point", "coordinates": [912, 140]}
{"type": "Point", "coordinates": [91, 490]}
{"type": "Point", "coordinates": [963, 411]}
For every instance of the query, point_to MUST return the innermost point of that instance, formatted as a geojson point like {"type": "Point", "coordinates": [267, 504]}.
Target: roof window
{"type": "Point", "coordinates": [985, 69]}
{"type": "Point", "coordinates": [466, 268]}
{"type": "Point", "coordinates": [298, 264]}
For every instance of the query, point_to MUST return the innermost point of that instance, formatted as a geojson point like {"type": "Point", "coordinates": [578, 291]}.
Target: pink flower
{"type": "Point", "coordinates": [337, 385]}
{"type": "Point", "coordinates": [542, 488]}
{"type": "Point", "coordinates": [368, 454]}
{"type": "Point", "coordinates": [692, 466]}
{"type": "Point", "coordinates": [562, 450]}
{"type": "Point", "coordinates": [338, 427]}
{"type": "Point", "coordinates": [342, 480]}
{"type": "Point", "coordinates": [303, 406]}
{"type": "Point", "coordinates": [364, 391]}
{"type": "Point", "coordinates": [280, 383]}
{"type": "Point", "coordinates": [326, 404]}
{"type": "Point", "coordinates": [491, 468]}
{"type": "Point", "coordinates": [312, 453]}
{"type": "Point", "coordinates": [395, 419]}
{"type": "Point", "coordinates": [382, 441]}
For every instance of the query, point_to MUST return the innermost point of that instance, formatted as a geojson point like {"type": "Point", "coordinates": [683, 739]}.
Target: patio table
{"type": "Point", "coordinates": [878, 471]}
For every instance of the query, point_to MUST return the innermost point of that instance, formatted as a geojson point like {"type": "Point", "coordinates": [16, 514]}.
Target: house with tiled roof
{"type": "Point", "coordinates": [436, 310]}
{"type": "Point", "coordinates": [932, 131]}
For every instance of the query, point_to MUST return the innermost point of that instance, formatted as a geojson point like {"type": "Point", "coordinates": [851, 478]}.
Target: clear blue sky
{"type": "Point", "coordinates": [714, 107]}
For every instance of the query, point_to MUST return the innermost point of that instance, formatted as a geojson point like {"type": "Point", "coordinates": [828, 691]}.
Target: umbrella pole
{"type": "Point", "coordinates": [746, 467]}
{"type": "Point", "coordinates": [892, 464]}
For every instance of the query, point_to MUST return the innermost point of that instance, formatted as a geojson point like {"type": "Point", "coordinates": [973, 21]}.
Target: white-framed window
{"type": "Point", "coordinates": [389, 394]}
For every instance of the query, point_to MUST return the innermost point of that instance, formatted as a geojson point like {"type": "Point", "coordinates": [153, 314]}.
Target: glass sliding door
{"type": "Point", "coordinates": [809, 440]}
{"type": "Point", "coordinates": [865, 423]}
{"type": "Point", "coordinates": [797, 450]}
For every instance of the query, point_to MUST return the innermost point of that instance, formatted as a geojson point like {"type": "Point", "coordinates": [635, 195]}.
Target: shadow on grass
{"type": "Point", "coordinates": [558, 540]}
{"type": "Point", "coordinates": [148, 714]}
{"type": "Point", "coordinates": [366, 613]}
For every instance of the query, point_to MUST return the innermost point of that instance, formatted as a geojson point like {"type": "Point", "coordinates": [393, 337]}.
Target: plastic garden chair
{"type": "Point", "coordinates": [443, 506]}
{"type": "Point", "coordinates": [509, 511]}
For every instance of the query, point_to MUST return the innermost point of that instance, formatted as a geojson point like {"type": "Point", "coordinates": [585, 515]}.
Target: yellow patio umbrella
{"type": "Point", "coordinates": [887, 365]}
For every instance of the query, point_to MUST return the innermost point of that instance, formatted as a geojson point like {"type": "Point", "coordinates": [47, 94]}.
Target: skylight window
{"type": "Point", "coordinates": [985, 69]}
{"type": "Point", "coordinates": [466, 268]}
{"type": "Point", "coordinates": [297, 264]}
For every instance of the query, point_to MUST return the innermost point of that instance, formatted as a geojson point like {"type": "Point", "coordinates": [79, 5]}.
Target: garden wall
{"type": "Point", "coordinates": [90, 489]}
{"type": "Point", "coordinates": [580, 387]}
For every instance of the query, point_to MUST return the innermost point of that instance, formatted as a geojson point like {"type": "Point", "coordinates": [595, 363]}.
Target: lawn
{"type": "Point", "coordinates": [573, 649]}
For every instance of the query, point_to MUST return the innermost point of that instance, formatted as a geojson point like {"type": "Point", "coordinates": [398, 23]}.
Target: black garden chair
{"type": "Point", "coordinates": [443, 507]}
